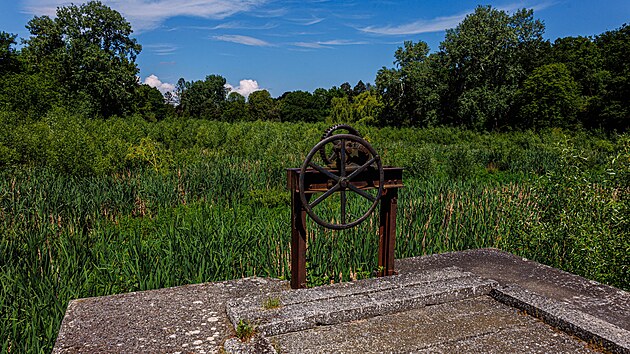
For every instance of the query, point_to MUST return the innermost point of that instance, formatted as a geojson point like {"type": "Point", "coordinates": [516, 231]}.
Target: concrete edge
{"type": "Point", "coordinates": [363, 302]}
{"type": "Point", "coordinates": [564, 317]}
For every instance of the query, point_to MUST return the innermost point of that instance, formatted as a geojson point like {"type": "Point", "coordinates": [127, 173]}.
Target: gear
{"type": "Point", "coordinates": [330, 160]}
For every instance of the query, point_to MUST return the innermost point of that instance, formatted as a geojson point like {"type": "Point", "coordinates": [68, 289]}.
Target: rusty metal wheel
{"type": "Point", "coordinates": [342, 177]}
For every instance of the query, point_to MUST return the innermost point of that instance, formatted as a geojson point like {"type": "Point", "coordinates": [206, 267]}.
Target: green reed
{"type": "Point", "coordinates": [218, 209]}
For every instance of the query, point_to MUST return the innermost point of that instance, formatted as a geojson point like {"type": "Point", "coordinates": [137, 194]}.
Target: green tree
{"type": "Point", "coordinates": [613, 104]}
{"type": "Point", "coordinates": [235, 109]}
{"type": "Point", "coordinates": [583, 59]}
{"type": "Point", "coordinates": [149, 103]}
{"type": "Point", "coordinates": [346, 89]}
{"type": "Point", "coordinates": [367, 108]}
{"type": "Point", "coordinates": [486, 57]}
{"type": "Point", "coordinates": [28, 93]}
{"type": "Point", "coordinates": [410, 91]}
{"type": "Point", "coordinates": [89, 54]}
{"type": "Point", "coordinates": [551, 98]}
{"type": "Point", "coordinates": [261, 106]}
{"type": "Point", "coordinates": [341, 110]}
{"type": "Point", "coordinates": [300, 106]}
{"type": "Point", "coordinates": [8, 55]}
{"type": "Point", "coordinates": [203, 99]}
{"type": "Point", "coordinates": [359, 88]}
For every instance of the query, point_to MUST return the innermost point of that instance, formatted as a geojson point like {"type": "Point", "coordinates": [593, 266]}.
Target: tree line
{"type": "Point", "coordinates": [493, 71]}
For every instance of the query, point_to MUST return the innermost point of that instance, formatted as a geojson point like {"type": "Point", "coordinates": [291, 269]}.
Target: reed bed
{"type": "Point", "coordinates": [222, 212]}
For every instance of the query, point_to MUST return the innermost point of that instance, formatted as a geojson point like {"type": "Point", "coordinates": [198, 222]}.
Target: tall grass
{"type": "Point", "coordinates": [203, 201]}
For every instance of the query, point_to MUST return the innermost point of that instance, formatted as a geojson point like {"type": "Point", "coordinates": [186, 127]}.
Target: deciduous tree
{"type": "Point", "coordinates": [487, 56]}
{"type": "Point", "coordinates": [204, 98]}
{"type": "Point", "coordinates": [551, 98]}
{"type": "Point", "coordinates": [261, 106]}
{"type": "Point", "coordinates": [89, 53]}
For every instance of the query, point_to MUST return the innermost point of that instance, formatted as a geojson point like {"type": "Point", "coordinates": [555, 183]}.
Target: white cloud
{"type": "Point", "coordinates": [149, 14]}
{"type": "Point", "coordinates": [328, 44]}
{"type": "Point", "coordinates": [308, 21]}
{"type": "Point", "coordinates": [161, 49]}
{"type": "Point", "coordinates": [241, 25]}
{"type": "Point", "coordinates": [245, 87]}
{"type": "Point", "coordinates": [439, 24]}
{"type": "Point", "coordinates": [163, 87]}
{"type": "Point", "coordinates": [422, 26]}
{"type": "Point", "coordinates": [246, 40]}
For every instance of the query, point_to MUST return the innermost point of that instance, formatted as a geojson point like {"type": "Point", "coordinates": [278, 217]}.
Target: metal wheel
{"type": "Point", "coordinates": [345, 173]}
{"type": "Point", "coordinates": [328, 159]}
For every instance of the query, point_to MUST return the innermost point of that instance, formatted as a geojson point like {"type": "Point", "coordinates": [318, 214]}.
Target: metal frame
{"type": "Point", "coordinates": [314, 181]}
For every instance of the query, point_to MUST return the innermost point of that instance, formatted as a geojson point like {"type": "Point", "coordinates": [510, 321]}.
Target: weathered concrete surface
{"type": "Point", "coordinates": [184, 319]}
{"type": "Point", "coordinates": [328, 305]}
{"type": "Point", "coordinates": [259, 344]}
{"type": "Point", "coordinates": [476, 325]}
{"type": "Point", "coordinates": [604, 302]}
{"type": "Point", "coordinates": [195, 318]}
{"type": "Point", "coordinates": [563, 316]}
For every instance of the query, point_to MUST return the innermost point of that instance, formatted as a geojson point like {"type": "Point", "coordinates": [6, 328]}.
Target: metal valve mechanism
{"type": "Point", "coordinates": [347, 157]}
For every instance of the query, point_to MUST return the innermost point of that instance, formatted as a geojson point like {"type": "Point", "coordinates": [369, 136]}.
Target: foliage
{"type": "Point", "coordinates": [583, 59]}
{"type": "Point", "coordinates": [409, 91]}
{"type": "Point", "coordinates": [300, 106]}
{"type": "Point", "coordinates": [487, 56]}
{"type": "Point", "coordinates": [8, 56]}
{"type": "Point", "coordinates": [271, 303]}
{"type": "Point", "coordinates": [613, 104]}
{"type": "Point", "coordinates": [204, 99]}
{"type": "Point", "coordinates": [149, 103]}
{"type": "Point", "coordinates": [550, 98]}
{"type": "Point", "coordinates": [492, 72]}
{"type": "Point", "coordinates": [91, 207]}
{"type": "Point", "coordinates": [89, 54]}
{"type": "Point", "coordinates": [245, 331]}
{"type": "Point", "coordinates": [235, 108]}
{"type": "Point", "coordinates": [367, 108]}
{"type": "Point", "coordinates": [261, 106]}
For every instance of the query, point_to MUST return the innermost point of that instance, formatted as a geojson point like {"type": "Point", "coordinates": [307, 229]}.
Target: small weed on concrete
{"type": "Point", "coordinates": [271, 303]}
{"type": "Point", "coordinates": [245, 330]}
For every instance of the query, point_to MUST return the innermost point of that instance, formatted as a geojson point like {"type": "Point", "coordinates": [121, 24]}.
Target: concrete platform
{"type": "Point", "coordinates": [474, 325]}
{"type": "Point", "coordinates": [474, 301]}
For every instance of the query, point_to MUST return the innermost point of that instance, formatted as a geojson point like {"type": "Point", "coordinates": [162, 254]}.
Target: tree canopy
{"type": "Point", "coordinates": [493, 71]}
{"type": "Point", "coordinates": [88, 52]}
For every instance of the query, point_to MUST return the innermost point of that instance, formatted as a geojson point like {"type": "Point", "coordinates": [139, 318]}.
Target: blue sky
{"type": "Point", "coordinates": [301, 45]}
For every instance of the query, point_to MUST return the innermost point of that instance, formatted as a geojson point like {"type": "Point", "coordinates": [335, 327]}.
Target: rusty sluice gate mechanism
{"type": "Point", "coordinates": [349, 164]}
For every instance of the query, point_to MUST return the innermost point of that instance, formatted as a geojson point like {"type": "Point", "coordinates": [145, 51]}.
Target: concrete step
{"type": "Point", "coordinates": [304, 309]}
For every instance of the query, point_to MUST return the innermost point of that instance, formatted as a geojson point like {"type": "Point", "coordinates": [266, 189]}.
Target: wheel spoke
{"type": "Point", "coordinates": [323, 170]}
{"type": "Point", "coordinates": [324, 196]}
{"type": "Point", "coordinates": [343, 206]}
{"type": "Point", "coordinates": [362, 168]}
{"type": "Point", "coordinates": [362, 193]}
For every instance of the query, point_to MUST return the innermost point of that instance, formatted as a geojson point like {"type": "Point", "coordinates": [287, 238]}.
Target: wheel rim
{"type": "Point", "coordinates": [342, 181]}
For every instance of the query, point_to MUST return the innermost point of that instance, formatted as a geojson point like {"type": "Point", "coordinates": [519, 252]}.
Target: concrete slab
{"type": "Point", "coordinates": [299, 310]}
{"type": "Point", "coordinates": [565, 317]}
{"type": "Point", "coordinates": [609, 304]}
{"type": "Point", "coordinates": [476, 325]}
{"type": "Point", "coordinates": [188, 318]}
{"type": "Point", "coordinates": [460, 317]}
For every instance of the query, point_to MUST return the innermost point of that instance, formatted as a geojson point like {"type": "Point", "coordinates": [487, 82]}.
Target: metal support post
{"type": "Point", "coordinates": [387, 232]}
